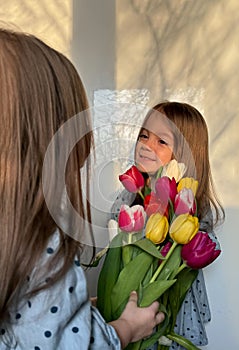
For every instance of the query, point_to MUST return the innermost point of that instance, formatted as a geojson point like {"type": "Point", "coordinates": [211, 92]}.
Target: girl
{"type": "Point", "coordinates": [44, 302]}
{"type": "Point", "coordinates": [173, 130]}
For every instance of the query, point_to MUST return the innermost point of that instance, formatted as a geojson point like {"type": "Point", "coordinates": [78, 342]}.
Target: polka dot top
{"type": "Point", "coordinates": [59, 318]}
{"type": "Point", "coordinates": [195, 311]}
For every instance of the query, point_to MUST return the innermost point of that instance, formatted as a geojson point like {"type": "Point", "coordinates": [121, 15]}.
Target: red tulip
{"type": "Point", "coordinates": [185, 202]}
{"type": "Point", "coordinates": [152, 204]}
{"type": "Point", "coordinates": [131, 219]}
{"type": "Point", "coordinates": [132, 179]}
{"type": "Point", "coordinates": [200, 251]}
{"type": "Point", "coordinates": [166, 189]}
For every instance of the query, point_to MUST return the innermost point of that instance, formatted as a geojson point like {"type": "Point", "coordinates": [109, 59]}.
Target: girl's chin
{"type": "Point", "coordinates": [148, 170]}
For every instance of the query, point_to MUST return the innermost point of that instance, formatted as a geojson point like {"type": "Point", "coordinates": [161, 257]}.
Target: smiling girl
{"type": "Point", "coordinates": [173, 130]}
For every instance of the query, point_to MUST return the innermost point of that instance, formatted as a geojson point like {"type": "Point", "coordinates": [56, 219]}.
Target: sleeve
{"type": "Point", "coordinates": [62, 318]}
{"type": "Point", "coordinates": [123, 197]}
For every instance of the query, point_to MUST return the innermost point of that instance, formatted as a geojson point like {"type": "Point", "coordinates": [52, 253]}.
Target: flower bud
{"type": "Point", "coordinates": [174, 169]}
{"type": "Point", "coordinates": [188, 182]}
{"type": "Point", "coordinates": [153, 205]}
{"type": "Point", "coordinates": [183, 228]}
{"type": "Point", "coordinates": [132, 179]}
{"type": "Point", "coordinates": [131, 219]}
{"type": "Point", "coordinates": [185, 202]}
{"type": "Point", "coordinates": [166, 189]}
{"type": "Point", "coordinates": [112, 229]}
{"type": "Point", "coordinates": [157, 228]}
{"type": "Point", "coordinates": [200, 251]}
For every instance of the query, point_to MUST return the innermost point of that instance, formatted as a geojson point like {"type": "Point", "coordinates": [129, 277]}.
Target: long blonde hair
{"type": "Point", "coordinates": [40, 90]}
{"type": "Point", "coordinates": [191, 146]}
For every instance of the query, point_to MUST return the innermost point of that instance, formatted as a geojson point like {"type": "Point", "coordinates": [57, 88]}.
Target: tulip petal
{"type": "Point", "coordinates": [200, 251]}
{"type": "Point", "coordinates": [125, 222]}
{"type": "Point", "coordinates": [132, 179]}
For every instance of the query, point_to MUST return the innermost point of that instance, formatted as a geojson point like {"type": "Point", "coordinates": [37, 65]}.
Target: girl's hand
{"type": "Point", "coordinates": [93, 301]}
{"type": "Point", "coordinates": [136, 323]}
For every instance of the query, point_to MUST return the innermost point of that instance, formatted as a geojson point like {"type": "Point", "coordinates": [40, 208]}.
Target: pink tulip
{"type": "Point", "coordinates": [166, 189]}
{"type": "Point", "coordinates": [185, 202]}
{"type": "Point", "coordinates": [131, 219]}
{"type": "Point", "coordinates": [200, 251]}
{"type": "Point", "coordinates": [132, 179]}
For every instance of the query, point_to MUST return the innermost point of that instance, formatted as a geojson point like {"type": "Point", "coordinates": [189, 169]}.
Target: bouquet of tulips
{"type": "Point", "coordinates": [157, 251]}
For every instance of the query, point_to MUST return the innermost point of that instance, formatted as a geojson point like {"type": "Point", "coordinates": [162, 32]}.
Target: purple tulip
{"type": "Point", "coordinates": [185, 202]}
{"type": "Point", "coordinates": [166, 189]}
{"type": "Point", "coordinates": [200, 251]}
{"type": "Point", "coordinates": [165, 249]}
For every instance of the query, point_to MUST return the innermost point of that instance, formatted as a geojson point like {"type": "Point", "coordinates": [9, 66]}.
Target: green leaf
{"type": "Point", "coordinates": [177, 293]}
{"type": "Point", "coordinates": [97, 258]}
{"type": "Point", "coordinates": [148, 246]}
{"type": "Point", "coordinates": [182, 341]}
{"type": "Point", "coordinates": [129, 279]}
{"type": "Point", "coordinates": [172, 264]}
{"type": "Point", "coordinates": [154, 290]}
{"type": "Point", "coordinates": [108, 277]}
{"type": "Point", "coordinates": [150, 272]}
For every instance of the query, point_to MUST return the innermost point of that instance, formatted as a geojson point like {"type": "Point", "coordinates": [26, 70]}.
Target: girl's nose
{"type": "Point", "coordinates": [150, 144]}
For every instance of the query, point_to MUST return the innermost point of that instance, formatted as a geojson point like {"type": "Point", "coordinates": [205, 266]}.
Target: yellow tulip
{"type": "Point", "coordinates": [184, 228]}
{"type": "Point", "coordinates": [157, 228]}
{"type": "Point", "coordinates": [188, 182]}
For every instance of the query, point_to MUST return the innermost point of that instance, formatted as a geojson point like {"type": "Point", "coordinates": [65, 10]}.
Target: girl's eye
{"type": "Point", "coordinates": [162, 142]}
{"type": "Point", "coordinates": [143, 136]}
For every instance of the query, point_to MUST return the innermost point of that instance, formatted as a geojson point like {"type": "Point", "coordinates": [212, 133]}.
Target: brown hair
{"type": "Point", "coordinates": [191, 146]}
{"type": "Point", "coordinates": [40, 90]}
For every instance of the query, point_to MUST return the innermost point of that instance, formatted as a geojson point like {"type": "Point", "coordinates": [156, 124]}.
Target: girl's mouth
{"type": "Point", "coordinates": [144, 157]}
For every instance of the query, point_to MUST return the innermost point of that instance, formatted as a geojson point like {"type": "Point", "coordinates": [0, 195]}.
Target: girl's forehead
{"type": "Point", "coordinates": [160, 125]}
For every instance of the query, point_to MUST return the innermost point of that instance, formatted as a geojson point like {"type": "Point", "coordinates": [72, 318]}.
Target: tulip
{"type": "Point", "coordinates": [157, 228]}
{"type": "Point", "coordinates": [188, 182]}
{"type": "Point", "coordinates": [112, 229]}
{"type": "Point", "coordinates": [183, 228]}
{"type": "Point", "coordinates": [166, 189]}
{"type": "Point", "coordinates": [131, 219]}
{"type": "Point", "coordinates": [132, 180]}
{"type": "Point", "coordinates": [152, 205]}
{"type": "Point", "coordinates": [174, 169]}
{"type": "Point", "coordinates": [200, 251]}
{"type": "Point", "coordinates": [165, 249]}
{"type": "Point", "coordinates": [185, 202]}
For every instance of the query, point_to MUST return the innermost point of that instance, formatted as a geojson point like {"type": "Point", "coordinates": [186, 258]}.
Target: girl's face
{"type": "Point", "coordinates": [154, 147]}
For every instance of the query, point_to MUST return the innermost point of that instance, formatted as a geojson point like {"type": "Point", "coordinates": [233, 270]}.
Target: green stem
{"type": "Point", "coordinates": [159, 172]}
{"type": "Point", "coordinates": [141, 195]}
{"type": "Point", "coordinates": [171, 210]}
{"type": "Point", "coordinates": [127, 249]}
{"type": "Point", "coordinates": [159, 269]}
{"type": "Point", "coordinates": [130, 238]}
{"type": "Point", "coordinates": [181, 268]}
